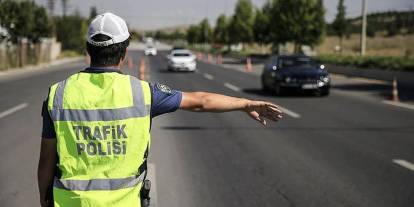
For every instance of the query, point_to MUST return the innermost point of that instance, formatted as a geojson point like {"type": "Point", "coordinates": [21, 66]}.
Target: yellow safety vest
{"type": "Point", "coordinates": [102, 123]}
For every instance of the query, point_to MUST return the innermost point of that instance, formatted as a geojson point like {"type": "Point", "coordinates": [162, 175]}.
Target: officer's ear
{"type": "Point", "coordinates": [126, 54]}
{"type": "Point", "coordinates": [123, 58]}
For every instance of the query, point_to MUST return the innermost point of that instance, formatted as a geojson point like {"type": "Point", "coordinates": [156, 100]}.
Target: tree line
{"type": "Point", "coordinates": [23, 19]}
{"type": "Point", "coordinates": [26, 19]}
{"type": "Point", "coordinates": [300, 22]}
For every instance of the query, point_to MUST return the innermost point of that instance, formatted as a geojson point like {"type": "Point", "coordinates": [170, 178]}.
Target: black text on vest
{"type": "Point", "coordinates": [101, 140]}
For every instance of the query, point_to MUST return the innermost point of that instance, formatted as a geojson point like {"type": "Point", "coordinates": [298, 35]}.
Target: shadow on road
{"type": "Point", "coordinates": [164, 70]}
{"type": "Point", "coordinates": [384, 91]}
{"type": "Point", "coordinates": [400, 129]}
{"type": "Point", "coordinates": [290, 94]}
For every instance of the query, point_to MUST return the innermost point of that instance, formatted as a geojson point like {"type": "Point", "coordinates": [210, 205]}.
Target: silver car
{"type": "Point", "coordinates": [181, 60]}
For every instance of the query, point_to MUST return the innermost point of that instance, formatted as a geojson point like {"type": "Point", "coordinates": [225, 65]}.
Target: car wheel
{"type": "Point", "coordinates": [323, 92]}
{"type": "Point", "coordinates": [265, 88]}
{"type": "Point", "coordinates": [278, 90]}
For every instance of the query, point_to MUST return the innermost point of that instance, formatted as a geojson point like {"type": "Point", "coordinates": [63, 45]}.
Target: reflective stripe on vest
{"type": "Point", "coordinates": [98, 184]}
{"type": "Point", "coordinates": [102, 123]}
{"type": "Point", "coordinates": [139, 109]}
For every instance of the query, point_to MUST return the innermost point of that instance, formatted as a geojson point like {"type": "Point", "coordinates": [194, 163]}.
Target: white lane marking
{"type": "Point", "coordinates": [285, 110]}
{"type": "Point", "coordinates": [13, 110]}
{"type": "Point", "coordinates": [152, 177]}
{"type": "Point", "coordinates": [208, 76]}
{"type": "Point", "coordinates": [289, 112]}
{"type": "Point", "coordinates": [399, 104]}
{"type": "Point", "coordinates": [404, 163]}
{"type": "Point", "coordinates": [232, 87]}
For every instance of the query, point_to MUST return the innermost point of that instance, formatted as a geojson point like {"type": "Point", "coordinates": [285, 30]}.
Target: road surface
{"type": "Point", "coordinates": [341, 150]}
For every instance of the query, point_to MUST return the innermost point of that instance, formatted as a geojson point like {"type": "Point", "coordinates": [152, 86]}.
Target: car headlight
{"type": "Point", "coordinates": [325, 79]}
{"type": "Point", "coordinates": [288, 79]}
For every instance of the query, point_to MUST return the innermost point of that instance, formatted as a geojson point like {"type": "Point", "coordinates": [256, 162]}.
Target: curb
{"type": "Point", "coordinates": [42, 66]}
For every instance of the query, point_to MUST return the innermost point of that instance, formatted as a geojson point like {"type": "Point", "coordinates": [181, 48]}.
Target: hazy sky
{"type": "Point", "coordinates": [151, 14]}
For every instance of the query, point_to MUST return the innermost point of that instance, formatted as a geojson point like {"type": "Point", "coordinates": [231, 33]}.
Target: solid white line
{"type": "Point", "coordinates": [208, 76]}
{"type": "Point", "coordinates": [232, 87]}
{"type": "Point", "coordinates": [404, 163]}
{"type": "Point", "coordinates": [13, 110]}
{"type": "Point", "coordinates": [399, 104]}
{"type": "Point", "coordinates": [290, 113]}
{"type": "Point", "coordinates": [153, 192]}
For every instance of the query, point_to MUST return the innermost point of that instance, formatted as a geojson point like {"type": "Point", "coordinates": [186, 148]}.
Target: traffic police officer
{"type": "Point", "coordinates": [96, 124]}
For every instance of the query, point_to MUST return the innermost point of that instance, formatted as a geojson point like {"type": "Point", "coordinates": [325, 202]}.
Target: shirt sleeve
{"type": "Point", "coordinates": [48, 129]}
{"type": "Point", "coordinates": [164, 99]}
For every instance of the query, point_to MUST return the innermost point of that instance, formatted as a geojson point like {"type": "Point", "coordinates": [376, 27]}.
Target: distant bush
{"type": "Point", "coordinates": [71, 32]}
{"type": "Point", "coordinates": [377, 62]}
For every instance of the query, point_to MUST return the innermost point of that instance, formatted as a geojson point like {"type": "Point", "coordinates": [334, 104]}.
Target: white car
{"type": "Point", "coordinates": [150, 50]}
{"type": "Point", "coordinates": [181, 60]}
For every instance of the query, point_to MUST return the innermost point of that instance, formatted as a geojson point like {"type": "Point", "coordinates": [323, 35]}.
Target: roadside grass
{"type": "Point", "coordinates": [380, 45]}
{"type": "Point", "coordinates": [377, 62]}
{"type": "Point", "coordinates": [383, 52]}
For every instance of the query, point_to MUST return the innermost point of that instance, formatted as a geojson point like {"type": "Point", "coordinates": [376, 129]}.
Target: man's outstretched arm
{"type": "Point", "coordinates": [211, 102]}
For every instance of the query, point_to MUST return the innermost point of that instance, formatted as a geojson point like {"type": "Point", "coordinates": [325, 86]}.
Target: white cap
{"type": "Point", "coordinates": [108, 24]}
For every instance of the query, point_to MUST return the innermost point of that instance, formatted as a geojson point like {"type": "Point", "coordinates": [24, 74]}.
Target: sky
{"type": "Point", "coordinates": [154, 14]}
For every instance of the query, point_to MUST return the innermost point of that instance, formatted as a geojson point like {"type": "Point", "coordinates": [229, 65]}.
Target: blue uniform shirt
{"type": "Point", "coordinates": [164, 100]}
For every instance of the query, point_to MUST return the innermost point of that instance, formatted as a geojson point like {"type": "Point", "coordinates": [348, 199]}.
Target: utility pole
{"type": "Point", "coordinates": [364, 27]}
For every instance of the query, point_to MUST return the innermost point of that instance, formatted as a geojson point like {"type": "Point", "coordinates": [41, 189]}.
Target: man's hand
{"type": "Point", "coordinates": [211, 102]}
{"type": "Point", "coordinates": [259, 110]}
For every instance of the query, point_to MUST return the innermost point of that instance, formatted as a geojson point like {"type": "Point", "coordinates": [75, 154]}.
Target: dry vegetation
{"type": "Point", "coordinates": [396, 46]}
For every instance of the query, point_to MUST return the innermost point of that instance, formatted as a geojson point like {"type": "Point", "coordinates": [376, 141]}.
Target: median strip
{"type": "Point", "coordinates": [208, 76]}
{"type": "Point", "coordinates": [404, 164]}
{"type": "Point", "coordinates": [232, 87]}
{"type": "Point", "coordinates": [399, 104]}
{"type": "Point", "coordinates": [13, 110]}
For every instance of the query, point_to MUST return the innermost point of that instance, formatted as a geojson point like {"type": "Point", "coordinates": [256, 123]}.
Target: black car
{"type": "Point", "coordinates": [295, 72]}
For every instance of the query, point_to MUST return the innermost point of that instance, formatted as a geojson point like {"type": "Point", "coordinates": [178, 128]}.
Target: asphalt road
{"type": "Point", "coordinates": [341, 150]}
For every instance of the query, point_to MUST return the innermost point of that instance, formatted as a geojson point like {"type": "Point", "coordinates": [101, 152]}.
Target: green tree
{"type": "Point", "coordinates": [241, 25]}
{"type": "Point", "coordinates": [193, 34]}
{"type": "Point", "coordinates": [221, 34]}
{"type": "Point", "coordinates": [160, 35]}
{"type": "Point", "coordinates": [261, 26]}
{"type": "Point", "coordinates": [298, 21]}
{"type": "Point", "coordinates": [42, 25]}
{"type": "Point", "coordinates": [24, 20]}
{"type": "Point", "coordinates": [177, 35]}
{"type": "Point", "coordinates": [135, 35]}
{"type": "Point", "coordinates": [340, 25]}
{"type": "Point", "coordinates": [205, 32]}
{"type": "Point", "coordinates": [71, 31]}
{"type": "Point", "coordinates": [93, 12]}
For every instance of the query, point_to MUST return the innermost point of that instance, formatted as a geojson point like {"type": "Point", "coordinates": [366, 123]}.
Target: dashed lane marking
{"type": "Point", "coordinates": [285, 110]}
{"type": "Point", "coordinates": [232, 87]}
{"type": "Point", "coordinates": [399, 104]}
{"type": "Point", "coordinates": [404, 164]}
{"type": "Point", "coordinates": [13, 110]}
{"type": "Point", "coordinates": [289, 112]}
{"type": "Point", "coordinates": [208, 76]}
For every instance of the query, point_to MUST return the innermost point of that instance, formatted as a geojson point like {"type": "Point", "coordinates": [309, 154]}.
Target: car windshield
{"type": "Point", "coordinates": [300, 62]}
{"type": "Point", "coordinates": [181, 54]}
